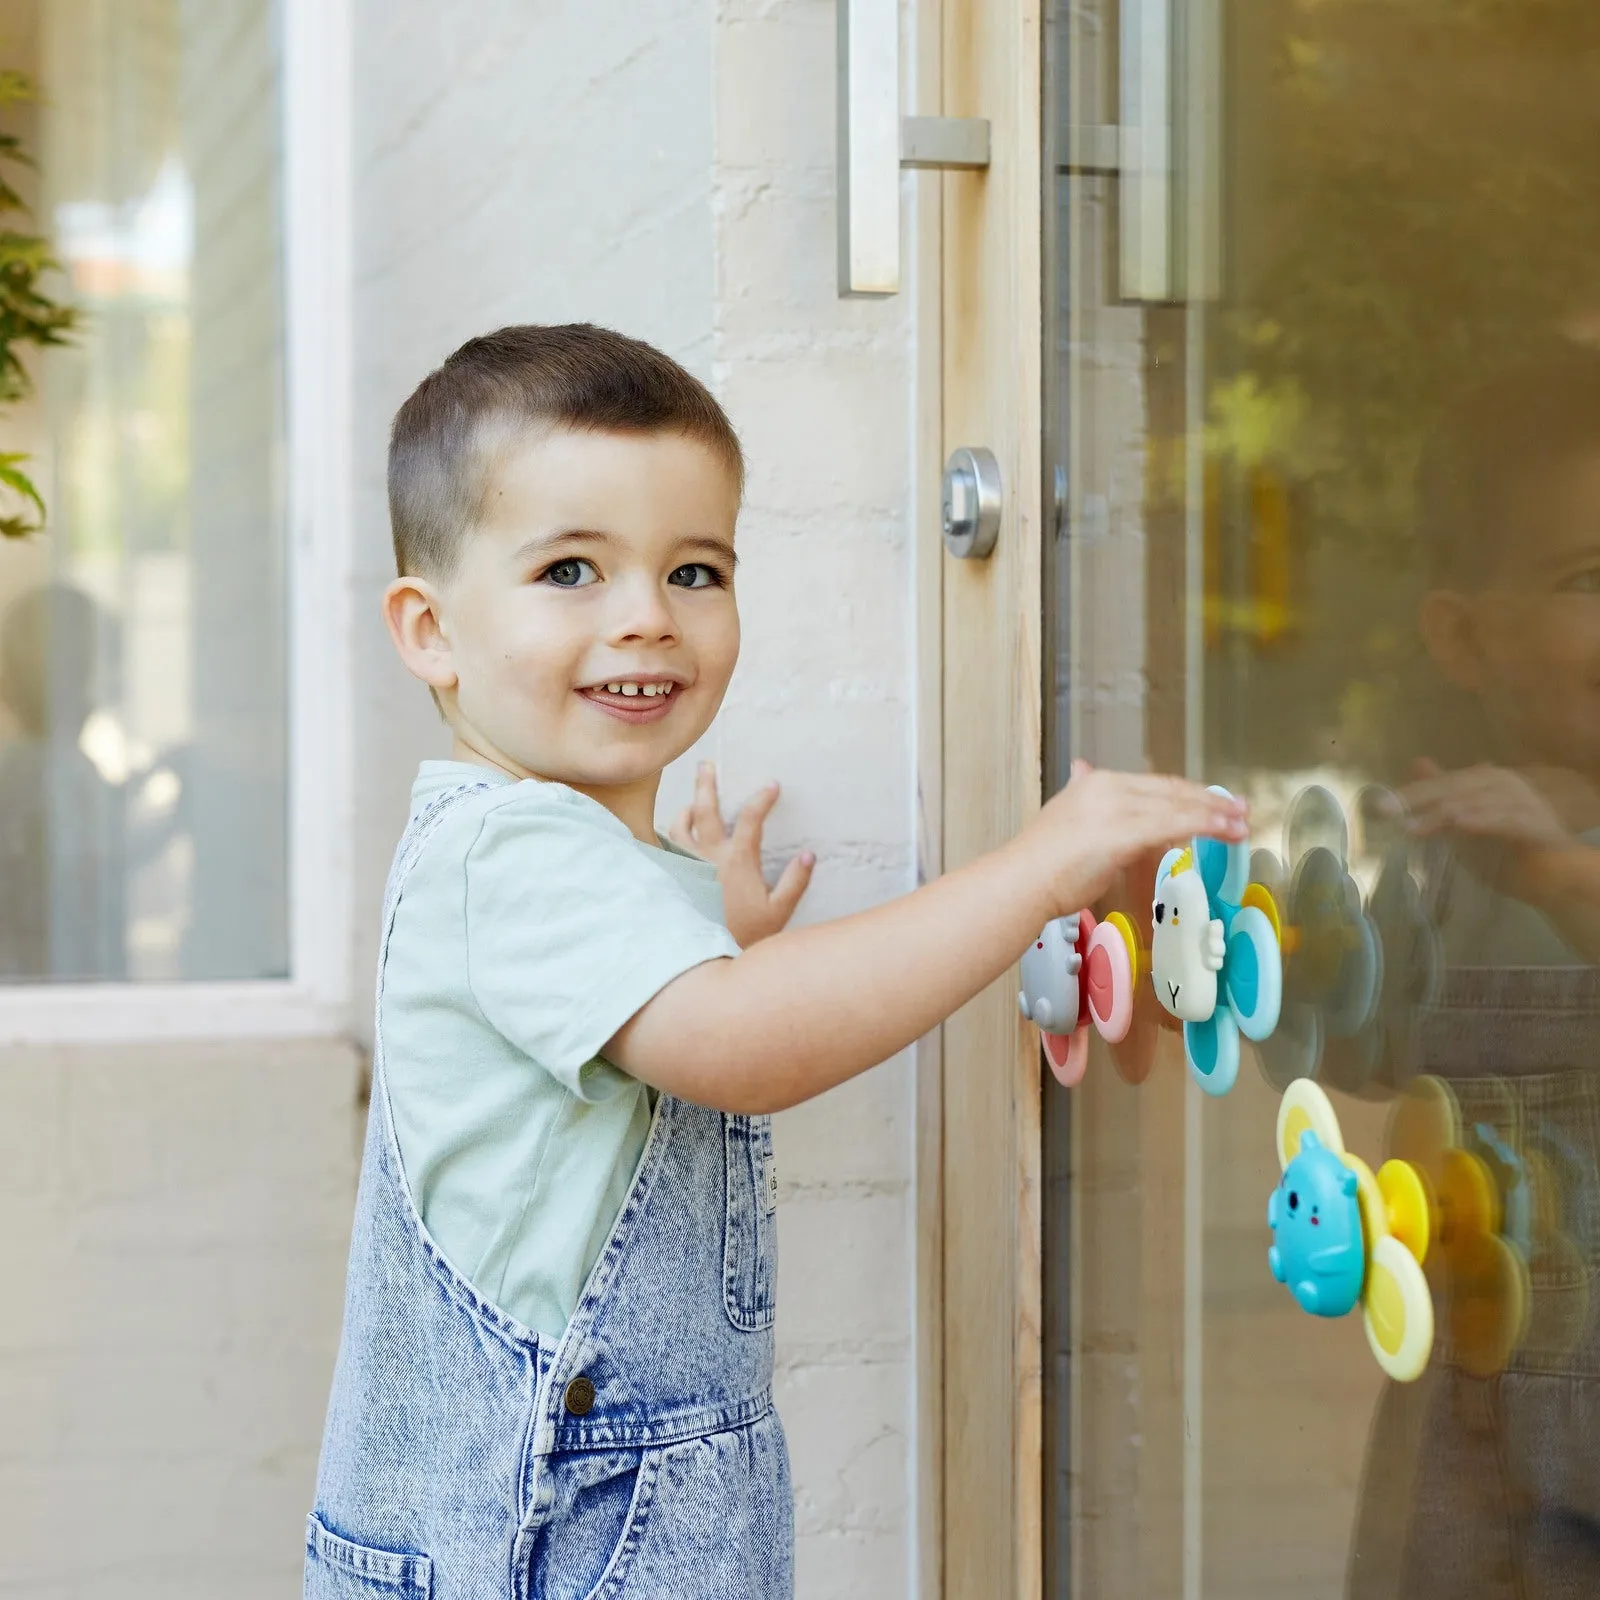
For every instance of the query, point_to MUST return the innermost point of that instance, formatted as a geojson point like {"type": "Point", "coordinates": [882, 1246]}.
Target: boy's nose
{"type": "Point", "coordinates": [640, 611]}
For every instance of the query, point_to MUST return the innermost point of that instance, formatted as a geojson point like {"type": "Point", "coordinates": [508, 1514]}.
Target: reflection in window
{"type": "Point", "coordinates": [142, 671]}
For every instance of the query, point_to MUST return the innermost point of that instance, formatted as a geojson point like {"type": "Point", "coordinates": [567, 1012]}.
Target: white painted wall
{"type": "Point", "coordinates": [176, 1223]}
{"type": "Point", "coordinates": [673, 177]}
{"type": "Point", "coordinates": [821, 390]}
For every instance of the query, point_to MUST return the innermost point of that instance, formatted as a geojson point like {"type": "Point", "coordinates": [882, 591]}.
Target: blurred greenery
{"type": "Point", "coordinates": [1413, 206]}
{"type": "Point", "coordinates": [28, 315]}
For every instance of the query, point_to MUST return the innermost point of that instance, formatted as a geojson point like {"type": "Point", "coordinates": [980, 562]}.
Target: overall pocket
{"type": "Point", "coordinates": [750, 1235]}
{"type": "Point", "coordinates": [340, 1569]}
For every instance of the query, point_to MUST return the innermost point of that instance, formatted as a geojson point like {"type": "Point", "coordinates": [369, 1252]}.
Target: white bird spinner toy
{"type": "Point", "coordinates": [1186, 947]}
{"type": "Point", "coordinates": [1215, 958]}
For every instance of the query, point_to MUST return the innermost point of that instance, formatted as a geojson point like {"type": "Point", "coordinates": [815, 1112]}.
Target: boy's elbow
{"type": "Point", "coordinates": [739, 1089]}
{"type": "Point", "coordinates": [696, 1040]}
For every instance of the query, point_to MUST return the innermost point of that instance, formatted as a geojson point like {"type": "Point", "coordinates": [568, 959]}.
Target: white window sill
{"type": "Point", "coordinates": [135, 1013]}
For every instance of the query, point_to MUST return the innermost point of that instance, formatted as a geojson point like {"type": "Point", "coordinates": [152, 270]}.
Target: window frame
{"type": "Point", "coordinates": [315, 99]}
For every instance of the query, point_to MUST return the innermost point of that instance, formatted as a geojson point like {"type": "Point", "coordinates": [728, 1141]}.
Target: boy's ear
{"type": "Point", "coordinates": [1449, 624]}
{"type": "Point", "coordinates": [411, 609]}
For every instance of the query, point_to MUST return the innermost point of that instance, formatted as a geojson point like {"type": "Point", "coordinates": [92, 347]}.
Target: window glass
{"type": "Point", "coordinates": [142, 635]}
{"type": "Point", "coordinates": [1325, 366]}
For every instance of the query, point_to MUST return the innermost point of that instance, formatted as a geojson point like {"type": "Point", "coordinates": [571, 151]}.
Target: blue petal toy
{"type": "Point", "coordinates": [1315, 1217]}
{"type": "Point", "coordinates": [1215, 958]}
{"type": "Point", "coordinates": [1344, 1236]}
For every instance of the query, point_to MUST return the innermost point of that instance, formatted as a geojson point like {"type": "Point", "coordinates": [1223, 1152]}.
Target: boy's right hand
{"type": "Point", "coordinates": [1103, 822]}
{"type": "Point", "coordinates": [804, 1010]}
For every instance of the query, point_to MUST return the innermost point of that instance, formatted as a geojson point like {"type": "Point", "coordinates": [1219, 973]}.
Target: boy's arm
{"type": "Point", "coordinates": [1564, 883]}
{"type": "Point", "coordinates": [1531, 855]}
{"type": "Point", "coordinates": [806, 1009]}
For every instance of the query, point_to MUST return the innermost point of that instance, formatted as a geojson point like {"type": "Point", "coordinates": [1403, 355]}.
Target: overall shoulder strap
{"type": "Point", "coordinates": [408, 852]}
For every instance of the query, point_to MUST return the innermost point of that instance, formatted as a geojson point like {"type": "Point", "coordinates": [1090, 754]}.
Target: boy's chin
{"type": "Point", "coordinates": [624, 769]}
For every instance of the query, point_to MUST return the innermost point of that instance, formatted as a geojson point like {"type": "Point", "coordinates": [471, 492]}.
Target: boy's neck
{"type": "Point", "coordinates": [633, 804]}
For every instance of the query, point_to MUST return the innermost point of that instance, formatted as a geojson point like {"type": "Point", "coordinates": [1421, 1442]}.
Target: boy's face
{"type": "Point", "coordinates": [590, 624]}
{"type": "Point", "coordinates": [1528, 643]}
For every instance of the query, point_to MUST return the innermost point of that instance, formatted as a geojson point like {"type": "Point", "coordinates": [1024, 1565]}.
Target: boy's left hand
{"type": "Point", "coordinates": [754, 911]}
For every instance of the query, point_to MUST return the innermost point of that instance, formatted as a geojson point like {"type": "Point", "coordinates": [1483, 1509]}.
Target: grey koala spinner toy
{"type": "Point", "coordinates": [1052, 996]}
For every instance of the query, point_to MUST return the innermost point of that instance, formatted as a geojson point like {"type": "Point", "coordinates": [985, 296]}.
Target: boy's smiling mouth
{"type": "Point", "coordinates": [635, 699]}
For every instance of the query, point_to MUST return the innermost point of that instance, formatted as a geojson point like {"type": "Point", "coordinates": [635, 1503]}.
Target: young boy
{"type": "Point", "coordinates": [555, 1376]}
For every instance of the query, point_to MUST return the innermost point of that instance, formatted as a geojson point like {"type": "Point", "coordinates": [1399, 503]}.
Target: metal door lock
{"type": "Point", "coordinates": [971, 503]}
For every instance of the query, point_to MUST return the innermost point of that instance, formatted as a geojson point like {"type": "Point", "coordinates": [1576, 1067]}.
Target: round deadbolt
{"type": "Point", "coordinates": [971, 503]}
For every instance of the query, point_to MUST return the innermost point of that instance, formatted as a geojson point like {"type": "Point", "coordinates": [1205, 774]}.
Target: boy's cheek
{"type": "Point", "coordinates": [1531, 640]}
{"type": "Point", "coordinates": [1563, 637]}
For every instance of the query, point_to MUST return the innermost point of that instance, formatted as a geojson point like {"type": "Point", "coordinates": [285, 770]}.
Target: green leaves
{"type": "Point", "coordinates": [21, 485]}
{"type": "Point", "coordinates": [28, 314]}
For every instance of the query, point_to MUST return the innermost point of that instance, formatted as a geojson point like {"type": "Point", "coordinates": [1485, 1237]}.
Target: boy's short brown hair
{"type": "Point", "coordinates": [449, 437]}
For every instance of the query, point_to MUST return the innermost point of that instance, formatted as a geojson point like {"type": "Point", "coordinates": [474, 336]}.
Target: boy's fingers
{"type": "Point", "coordinates": [747, 827]}
{"type": "Point", "coordinates": [1206, 814]}
{"type": "Point", "coordinates": [1428, 818]}
{"type": "Point", "coordinates": [1189, 807]}
{"type": "Point", "coordinates": [1179, 794]}
{"type": "Point", "coordinates": [1450, 788]}
{"type": "Point", "coordinates": [792, 883]}
{"type": "Point", "coordinates": [709, 827]}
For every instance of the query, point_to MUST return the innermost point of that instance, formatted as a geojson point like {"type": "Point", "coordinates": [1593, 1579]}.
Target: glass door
{"type": "Point", "coordinates": [1322, 362]}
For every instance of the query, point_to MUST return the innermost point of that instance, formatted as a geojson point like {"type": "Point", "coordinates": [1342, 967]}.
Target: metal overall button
{"type": "Point", "coordinates": [579, 1397]}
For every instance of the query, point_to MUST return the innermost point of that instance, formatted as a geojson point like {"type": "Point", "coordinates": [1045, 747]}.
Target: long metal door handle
{"type": "Point", "coordinates": [1170, 52]}
{"type": "Point", "coordinates": [875, 142]}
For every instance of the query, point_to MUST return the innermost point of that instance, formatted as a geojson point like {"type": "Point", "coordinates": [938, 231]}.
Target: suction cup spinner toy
{"type": "Point", "coordinates": [1481, 1275]}
{"type": "Point", "coordinates": [1215, 955]}
{"type": "Point", "coordinates": [1334, 960]}
{"type": "Point", "coordinates": [1343, 1237]}
{"type": "Point", "coordinates": [1053, 998]}
{"type": "Point", "coordinates": [1077, 971]}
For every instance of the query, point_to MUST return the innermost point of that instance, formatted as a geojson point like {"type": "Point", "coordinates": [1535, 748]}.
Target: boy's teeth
{"type": "Point", "coordinates": [650, 690]}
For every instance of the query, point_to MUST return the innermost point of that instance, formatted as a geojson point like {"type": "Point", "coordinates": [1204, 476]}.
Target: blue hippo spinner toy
{"type": "Point", "coordinates": [1215, 956]}
{"type": "Point", "coordinates": [1315, 1217]}
{"type": "Point", "coordinates": [1344, 1236]}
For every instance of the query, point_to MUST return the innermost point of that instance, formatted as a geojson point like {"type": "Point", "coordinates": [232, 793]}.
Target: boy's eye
{"type": "Point", "coordinates": [696, 575]}
{"type": "Point", "coordinates": [1585, 582]}
{"type": "Point", "coordinates": [572, 573]}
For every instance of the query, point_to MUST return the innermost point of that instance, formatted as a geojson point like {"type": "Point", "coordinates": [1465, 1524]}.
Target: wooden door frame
{"type": "Point", "coordinates": [978, 251]}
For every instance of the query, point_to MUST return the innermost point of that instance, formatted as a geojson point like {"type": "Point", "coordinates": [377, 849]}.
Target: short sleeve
{"type": "Point", "coordinates": [571, 929]}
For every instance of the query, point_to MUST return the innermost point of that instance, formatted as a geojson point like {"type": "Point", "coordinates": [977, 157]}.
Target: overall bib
{"type": "Point", "coordinates": [639, 1456]}
{"type": "Point", "coordinates": [1488, 1488]}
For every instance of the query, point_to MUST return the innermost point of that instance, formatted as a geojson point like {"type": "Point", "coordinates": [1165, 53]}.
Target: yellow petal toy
{"type": "Point", "coordinates": [1344, 1236]}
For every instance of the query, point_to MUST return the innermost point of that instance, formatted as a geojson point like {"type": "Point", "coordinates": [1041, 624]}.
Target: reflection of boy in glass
{"type": "Point", "coordinates": [61, 868]}
{"type": "Point", "coordinates": [1510, 509]}
{"type": "Point", "coordinates": [1488, 1488]}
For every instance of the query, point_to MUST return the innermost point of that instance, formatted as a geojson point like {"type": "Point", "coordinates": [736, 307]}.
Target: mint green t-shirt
{"type": "Point", "coordinates": [533, 927]}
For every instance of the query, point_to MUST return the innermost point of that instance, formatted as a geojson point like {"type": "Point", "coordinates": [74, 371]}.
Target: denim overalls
{"type": "Point", "coordinates": [1489, 1487]}
{"type": "Point", "coordinates": [467, 1459]}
